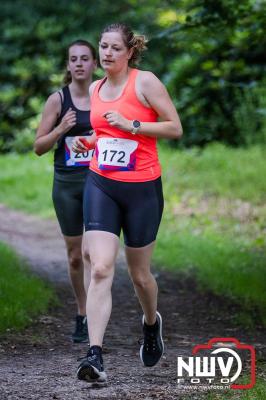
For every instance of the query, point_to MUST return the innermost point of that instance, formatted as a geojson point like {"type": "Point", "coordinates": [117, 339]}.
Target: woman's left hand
{"type": "Point", "coordinates": [117, 120]}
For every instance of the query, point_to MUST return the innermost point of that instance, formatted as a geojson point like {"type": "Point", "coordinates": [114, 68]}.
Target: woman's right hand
{"type": "Point", "coordinates": [68, 121]}
{"type": "Point", "coordinates": [78, 145]}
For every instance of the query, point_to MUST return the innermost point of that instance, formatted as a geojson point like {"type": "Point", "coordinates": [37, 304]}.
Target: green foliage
{"type": "Point", "coordinates": [250, 115]}
{"type": "Point", "coordinates": [213, 58]}
{"type": "Point", "coordinates": [209, 54]}
{"type": "Point", "coordinates": [22, 296]}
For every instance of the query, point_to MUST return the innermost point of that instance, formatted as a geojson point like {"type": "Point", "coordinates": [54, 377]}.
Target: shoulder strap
{"type": "Point", "coordinates": [100, 84]}
{"type": "Point", "coordinates": [95, 93]}
{"type": "Point", "coordinates": [130, 86]}
{"type": "Point", "coordinates": [65, 101]}
{"type": "Point", "coordinates": [61, 98]}
{"type": "Point", "coordinates": [67, 96]}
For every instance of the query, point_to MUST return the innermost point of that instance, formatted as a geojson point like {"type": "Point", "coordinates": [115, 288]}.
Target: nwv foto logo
{"type": "Point", "coordinates": [223, 363]}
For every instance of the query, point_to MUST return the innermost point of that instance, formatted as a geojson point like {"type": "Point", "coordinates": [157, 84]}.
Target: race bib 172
{"type": "Point", "coordinates": [76, 159]}
{"type": "Point", "coordinates": [116, 154]}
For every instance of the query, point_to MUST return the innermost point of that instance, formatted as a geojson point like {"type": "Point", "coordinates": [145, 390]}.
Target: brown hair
{"type": "Point", "coordinates": [137, 42]}
{"type": "Point", "coordinates": [79, 42]}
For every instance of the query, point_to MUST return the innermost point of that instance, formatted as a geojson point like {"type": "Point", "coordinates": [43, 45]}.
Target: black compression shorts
{"type": "Point", "coordinates": [134, 207]}
{"type": "Point", "coordinates": [68, 198]}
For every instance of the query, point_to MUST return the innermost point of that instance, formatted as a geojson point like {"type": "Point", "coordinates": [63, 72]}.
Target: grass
{"type": "Point", "coordinates": [214, 218]}
{"type": "Point", "coordinates": [225, 267]}
{"type": "Point", "coordinates": [216, 170]}
{"type": "Point", "coordinates": [258, 392]}
{"type": "Point", "coordinates": [214, 221]}
{"type": "Point", "coordinates": [22, 295]}
{"type": "Point", "coordinates": [26, 182]}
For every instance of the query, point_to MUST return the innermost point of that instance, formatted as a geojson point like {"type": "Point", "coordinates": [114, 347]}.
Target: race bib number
{"type": "Point", "coordinates": [116, 154]}
{"type": "Point", "coordinates": [76, 159]}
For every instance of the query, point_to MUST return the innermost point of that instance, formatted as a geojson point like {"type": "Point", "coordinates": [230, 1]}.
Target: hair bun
{"type": "Point", "coordinates": [139, 42]}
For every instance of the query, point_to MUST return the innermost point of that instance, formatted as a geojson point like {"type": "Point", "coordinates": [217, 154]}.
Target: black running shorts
{"type": "Point", "coordinates": [134, 207]}
{"type": "Point", "coordinates": [68, 198]}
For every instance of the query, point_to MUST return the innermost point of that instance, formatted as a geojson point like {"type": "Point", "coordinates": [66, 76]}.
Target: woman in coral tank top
{"type": "Point", "coordinates": [130, 109]}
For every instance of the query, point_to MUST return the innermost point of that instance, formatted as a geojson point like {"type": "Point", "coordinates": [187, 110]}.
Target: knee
{"type": "Point", "coordinates": [74, 257]}
{"type": "Point", "coordinates": [141, 281]}
{"type": "Point", "coordinates": [100, 272]}
{"type": "Point", "coordinates": [75, 261]}
{"type": "Point", "coordinates": [86, 254]}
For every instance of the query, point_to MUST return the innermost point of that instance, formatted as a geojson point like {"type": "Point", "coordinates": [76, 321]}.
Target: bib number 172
{"type": "Point", "coordinates": [116, 154]}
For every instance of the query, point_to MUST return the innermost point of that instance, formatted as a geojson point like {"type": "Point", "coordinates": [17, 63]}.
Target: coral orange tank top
{"type": "Point", "coordinates": [119, 155]}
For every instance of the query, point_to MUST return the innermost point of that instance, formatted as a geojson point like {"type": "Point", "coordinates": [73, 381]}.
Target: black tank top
{"type": "Point", "coordinates": [82, 128]}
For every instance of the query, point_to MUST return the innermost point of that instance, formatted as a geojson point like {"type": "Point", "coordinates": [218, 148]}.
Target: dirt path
{"type": "Point", "coordinates": [41, 362]}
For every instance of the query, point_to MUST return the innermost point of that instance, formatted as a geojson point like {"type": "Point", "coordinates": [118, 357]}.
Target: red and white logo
{"type": "Point", "coordinates": [221, 361]}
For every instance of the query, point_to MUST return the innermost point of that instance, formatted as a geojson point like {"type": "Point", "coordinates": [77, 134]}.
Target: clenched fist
{"type": "Point", "coordinates": [80, 144]}
{"type": "Point", "coordinates": [68, 121]}
{"type": "Point", "coordinates": [116, 119]}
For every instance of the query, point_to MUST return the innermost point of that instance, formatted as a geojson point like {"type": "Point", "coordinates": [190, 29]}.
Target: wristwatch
{"type": "Point", "coordinates": [135, 126]}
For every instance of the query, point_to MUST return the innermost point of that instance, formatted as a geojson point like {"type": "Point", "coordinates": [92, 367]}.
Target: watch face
{"type": "Point", "coordinates": [136, 124]}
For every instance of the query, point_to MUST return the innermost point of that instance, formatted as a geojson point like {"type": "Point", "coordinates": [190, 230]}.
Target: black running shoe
{"type": "Point", "coordinates": [81, 332]}
{"type": "Point", "coordinates": [152, 348]}
{"type": "Point", "coordinates": [91, 368]}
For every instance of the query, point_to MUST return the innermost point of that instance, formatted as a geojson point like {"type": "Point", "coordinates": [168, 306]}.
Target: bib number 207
{"type": "Point", "coordinates": [83, 156]}
{"type": "Point", "coordinates": [76, 159]}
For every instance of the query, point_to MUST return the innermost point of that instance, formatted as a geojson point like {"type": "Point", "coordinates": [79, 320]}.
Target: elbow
{"type": "Point", "coordinates": [37, 149]}
{"type": "Point", "coordinates": [177, 132]}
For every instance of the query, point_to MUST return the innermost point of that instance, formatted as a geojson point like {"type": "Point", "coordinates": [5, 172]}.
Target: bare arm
{"type": "Point", "coordinates": [47, 133]}
{"type": "Point", "coordinates": [153, 93]}
{"type": "Point", "coordinates": [80, 144]}
{"type": "Point", "coordinates": [159, 100]}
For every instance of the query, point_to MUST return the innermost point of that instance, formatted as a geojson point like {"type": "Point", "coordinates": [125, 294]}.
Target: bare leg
{"type": "Point", "coordinates": [144, 282]}
{"type": "Point", "coordinates": [87, 268]}
{"type": "Point", "coordinates": [76, 273]}
{"type": "Point", "coordinates": [101, 248]}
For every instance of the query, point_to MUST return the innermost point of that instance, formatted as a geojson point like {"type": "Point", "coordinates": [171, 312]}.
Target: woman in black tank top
{"type": "Point", "coordinates": [66, 115]}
